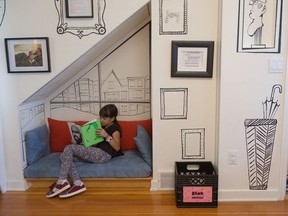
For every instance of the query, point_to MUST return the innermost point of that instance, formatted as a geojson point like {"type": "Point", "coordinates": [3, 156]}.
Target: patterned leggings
{"type": "Point", "coordinates": [75, 152]}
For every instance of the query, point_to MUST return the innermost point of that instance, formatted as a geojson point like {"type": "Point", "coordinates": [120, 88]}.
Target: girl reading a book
{"type": "Point", "coordinates": [100, 153]}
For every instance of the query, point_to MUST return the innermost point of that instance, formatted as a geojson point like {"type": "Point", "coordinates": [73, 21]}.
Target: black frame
{"type": "Point", "coordinates": [199, 47]}
{"type": "Point", "coordinates": [69, 15]}
{"type": "Point", "coordinates": [22, 55]}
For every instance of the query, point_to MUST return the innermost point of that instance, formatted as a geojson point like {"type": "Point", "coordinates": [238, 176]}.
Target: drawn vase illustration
{"type": "Point", "coordinates": [260, 136]}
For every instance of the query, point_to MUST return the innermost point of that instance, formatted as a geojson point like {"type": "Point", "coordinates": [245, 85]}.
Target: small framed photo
{"type": "Point", "coordinates": [79, 8]}
{"type": "Point", "coordinates": [25, 55]}
{"type": "Point", "coordinates": [192, 59]}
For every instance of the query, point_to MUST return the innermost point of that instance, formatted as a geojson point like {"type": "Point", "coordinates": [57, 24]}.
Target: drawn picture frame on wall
{"type": "Point", "coordinates": [192, 59]}
{"type": "Point", "coordinates": [259, 26]}
{"type": "Point", "coordinates": [173, 17]}
{"type": "Point", "coordinates": [26, 55]}
{"type": "Point", "coordinates": [79, 8]}
{"type": "Point", "coordinates": [174, 103]}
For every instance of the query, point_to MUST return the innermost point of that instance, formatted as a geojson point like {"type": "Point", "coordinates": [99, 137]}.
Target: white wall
{"type": "Point", "coordinates": [167, 148]}
{"type": "Point", "coordinates": [39, 19]}
{"type": "Point", "coordinates": [243, 81]}
{"type": "Point", "coordinates": [3, 186]}
{"type": "Point", "coordinates": [245, 84]}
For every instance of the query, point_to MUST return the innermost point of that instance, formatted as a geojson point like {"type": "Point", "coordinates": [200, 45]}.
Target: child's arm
{"type": "Point", "coordinates": [113, 140]}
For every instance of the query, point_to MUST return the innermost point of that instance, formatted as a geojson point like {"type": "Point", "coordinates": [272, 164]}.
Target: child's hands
{"type": "Point", "coordinates": [102, 132]}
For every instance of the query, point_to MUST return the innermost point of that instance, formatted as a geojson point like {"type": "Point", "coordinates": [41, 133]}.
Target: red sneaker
{"type": "Point", "coordinates": [56, 189]}
{"type": "Point", "coordinates": [73, 191]}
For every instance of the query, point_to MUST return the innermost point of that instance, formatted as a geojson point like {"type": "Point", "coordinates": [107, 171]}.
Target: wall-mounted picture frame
{"type": "Point", "coordinates": [259, 26]}
{"type": "Point", "coordinates": [79, 8]}
{"type": "Point", "coordinates": [92, 23]}
{"type": "Point", "coordinates": [26, 55]}
{"type": "Point", "coordinates": [192, 59]}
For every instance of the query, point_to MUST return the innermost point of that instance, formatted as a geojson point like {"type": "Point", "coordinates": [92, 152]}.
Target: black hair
{"type": "Point", "coordinates": [109, 110]}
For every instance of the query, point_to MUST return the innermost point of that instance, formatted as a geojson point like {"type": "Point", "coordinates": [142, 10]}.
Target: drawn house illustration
{"type": "Point", "coordinates": [131, 95]}
{"type": "Point", "coordinates": [112, 89]}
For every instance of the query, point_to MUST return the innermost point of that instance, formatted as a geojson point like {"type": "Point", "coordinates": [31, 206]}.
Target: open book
{"type": "Point", "coordinates": [86, 134]}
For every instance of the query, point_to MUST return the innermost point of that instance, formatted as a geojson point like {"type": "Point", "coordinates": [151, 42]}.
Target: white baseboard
{"type": "Point", "coordinates": [17, 185]}
{"type": "Point", "coordinates": [248, 195]}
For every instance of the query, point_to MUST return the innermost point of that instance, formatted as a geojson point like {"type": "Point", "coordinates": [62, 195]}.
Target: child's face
{"type": "Point", "coordinates": [106, 121]}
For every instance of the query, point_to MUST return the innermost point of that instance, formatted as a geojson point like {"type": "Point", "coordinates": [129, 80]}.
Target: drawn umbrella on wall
{"type": "Point", "coordinates": [260, 135]}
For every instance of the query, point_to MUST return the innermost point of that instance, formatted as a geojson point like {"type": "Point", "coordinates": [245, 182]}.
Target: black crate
{"type": "Point", "coordinates": [196, 185]}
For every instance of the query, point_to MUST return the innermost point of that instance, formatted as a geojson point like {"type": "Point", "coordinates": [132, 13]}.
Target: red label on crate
{"type": "Point", "coordinates": [197, 194]}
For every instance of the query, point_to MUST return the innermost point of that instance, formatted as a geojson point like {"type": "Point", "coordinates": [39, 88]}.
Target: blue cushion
{"type": "Point", "coordinates": [130, 165]}
{"type": "Point", "coordinates": [144, 144]}
{"type": "Point", "coordinates": [37, 144]}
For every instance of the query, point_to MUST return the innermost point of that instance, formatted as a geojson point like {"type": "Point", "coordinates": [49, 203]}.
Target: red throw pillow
{"type": "Point", "coordinates": [59, 134]}
{"type": "Point", "coordinates": [129, 131]}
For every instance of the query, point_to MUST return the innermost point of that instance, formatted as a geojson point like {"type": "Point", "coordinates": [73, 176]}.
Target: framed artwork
{"type": "Point", "coordinates": [192, 58]}
{"type": "Point", "coordinates": [25, 55]}
{"type": "Point", "coordinates": [174, 103]}
{"type": "Point", "coordinates": [259, 26]}
{"type": "Point", "coordinates": [91, 14]}
{"type": "Point", "coordinates": [79, 8]}
{"type": "Point", "coordinates": [173, 17]}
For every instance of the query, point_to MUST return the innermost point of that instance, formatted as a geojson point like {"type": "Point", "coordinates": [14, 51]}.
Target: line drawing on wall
{"type": "Point", "coordinates": [81, 26]}
{"type": "Point", "coordinates": [121, 78]}
{"type": "Point", "coordinates": [259, 26]}
{"type": "Point", "coordinates": [173, 17]}
{"type": "Point", "coordinates": [88, 94]}
{"type": "Point", "coordinates": [193, 143]}
{"type": "Point", "coordinates": [173, 103]}
{"type": "Point", "coordinates": [260, 136]}
{"type": "Point", "coordinates": [2, 10]}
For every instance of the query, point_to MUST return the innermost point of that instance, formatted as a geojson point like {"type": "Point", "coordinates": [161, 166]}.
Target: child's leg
{"type": "Point", "coordinates": [91, 154]}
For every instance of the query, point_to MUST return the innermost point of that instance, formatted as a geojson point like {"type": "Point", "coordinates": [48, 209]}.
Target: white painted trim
{"type": "Point", "coordinates": [3, 185]}
{"type": "Point", "coordinates": [284, 147]}
{"type": "Point", "coordinates": [17, 185]}
{"type": "Point", "coordinates": [247, 195]}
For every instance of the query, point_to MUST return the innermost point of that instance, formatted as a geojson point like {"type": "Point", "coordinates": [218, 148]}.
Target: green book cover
{"type": "Point", "coordinates": [88, 132]}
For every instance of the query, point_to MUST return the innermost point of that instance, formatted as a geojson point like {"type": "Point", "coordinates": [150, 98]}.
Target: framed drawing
{"type": "Point", "coordinates": [79, 8]}
{"type": "Point", "coordinates": [92, 10]}
{"type": "Point", "coordinates": [192, 58]}
{"type": "Point", "coordinates": [193, 143]}
{"type": "Point", "coordinates": [25, 55]}
{"type": "Point", "coordinates": [174, 103]}
{"type": "Point", "coordinates": [259, 26]}
{"type": "Point", "coordinates": [173, 17]}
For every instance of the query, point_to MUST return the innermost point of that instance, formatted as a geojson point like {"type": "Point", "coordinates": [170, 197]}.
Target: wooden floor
{"type": "Point", "coordinates": [128, 201]}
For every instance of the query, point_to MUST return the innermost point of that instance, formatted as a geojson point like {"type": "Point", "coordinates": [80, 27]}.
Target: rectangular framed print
{"type": "Point", "coordinates": [25, 55]}
{"type": "Point", "coordinates": [192, 58]}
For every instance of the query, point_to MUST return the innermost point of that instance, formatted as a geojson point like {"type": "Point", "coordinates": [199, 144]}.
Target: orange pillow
{"type": "Point", "coordinates": [129, 131]}
{"type": "Point", "coordinates": [59, 134]}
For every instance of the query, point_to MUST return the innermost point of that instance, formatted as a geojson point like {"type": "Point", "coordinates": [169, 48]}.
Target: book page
{"type": "Point", "coordinates": [75, 132]}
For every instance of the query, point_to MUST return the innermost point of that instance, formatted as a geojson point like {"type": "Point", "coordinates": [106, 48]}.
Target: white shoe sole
{"type": "Point", "coordinates": [72, 194]}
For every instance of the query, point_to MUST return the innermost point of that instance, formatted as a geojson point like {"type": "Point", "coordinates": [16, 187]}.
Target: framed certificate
{"type": "Point", "coordinates": [192, 58]}
{"type": "Point", "coordinates": [79, 8]}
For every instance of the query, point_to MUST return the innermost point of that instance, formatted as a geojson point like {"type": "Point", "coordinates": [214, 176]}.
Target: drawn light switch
{"type": "Point", "coordinates": [276, 65]}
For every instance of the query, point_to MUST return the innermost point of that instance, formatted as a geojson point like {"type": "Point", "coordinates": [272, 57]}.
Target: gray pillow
{"type": "Point", "coordinates": [144, 144]}
{"type": "Point", "coordinates": [37, 143]}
